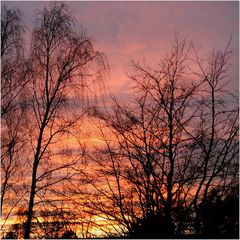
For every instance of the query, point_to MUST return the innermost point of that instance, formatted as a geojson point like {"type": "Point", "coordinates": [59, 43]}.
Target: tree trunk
{"type": "Point", "coordinates": [33, 187]}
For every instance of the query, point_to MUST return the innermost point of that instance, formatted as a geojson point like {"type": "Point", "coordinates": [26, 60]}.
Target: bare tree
{"type": "Point", "coordinates": [163, 152]}
{"type": "Point", "coordinates": [13, 107]}
{"type": "Point", "coordinates": [64, 64]}
{"type": "Point", "coordinates": [216, 134]}
{"type": "Point", "coordinates": [142, 164]}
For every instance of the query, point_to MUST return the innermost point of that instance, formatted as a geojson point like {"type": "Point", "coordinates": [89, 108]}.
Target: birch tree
{"type": "Point", "coordinates": [64, 66]}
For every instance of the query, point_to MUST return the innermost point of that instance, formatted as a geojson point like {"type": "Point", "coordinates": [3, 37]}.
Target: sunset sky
{"type": "Point", "coordinates": [127, 31]}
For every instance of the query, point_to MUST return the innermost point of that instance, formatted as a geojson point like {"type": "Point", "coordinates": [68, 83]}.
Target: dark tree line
{"type": "Point", "coordinates": [167, 166]}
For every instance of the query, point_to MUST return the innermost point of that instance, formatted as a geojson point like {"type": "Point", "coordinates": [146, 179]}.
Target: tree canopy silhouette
{"type": "Point", "coordinates": [166, 165]}
{"type": "Point", "coordinates": [167, 149]}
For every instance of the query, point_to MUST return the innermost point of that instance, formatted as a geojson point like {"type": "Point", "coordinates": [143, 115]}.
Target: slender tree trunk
{"type": "Point", "coordinates": [33, 186]}
{"type": "Point", "coordinates": [3, 191]}
{"type": "Point", "coordinates": [170, 228]}
{"type": "Point", "coordinates": [31, 204]}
